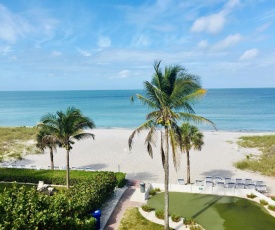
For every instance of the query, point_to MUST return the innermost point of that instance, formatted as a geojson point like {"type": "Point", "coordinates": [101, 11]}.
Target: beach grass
{"type": "Point", "coordinates": [133, 220]}
{"type": "Point", "coordinates": [263, 163]}
{"type": "Point", "coordinates": [16, 141]}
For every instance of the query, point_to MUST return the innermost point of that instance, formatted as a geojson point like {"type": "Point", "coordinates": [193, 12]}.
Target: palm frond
{"type": "Point", "coordinates": [174, 146]}
{"type": "Point", "coordinates": [82, 136]}
{"type": "Point", "coordinates": [161, 149]}
{"type": "Point", "coordinates": [151, 140]}
{"type": "Point", "coordinates": [196, 119]}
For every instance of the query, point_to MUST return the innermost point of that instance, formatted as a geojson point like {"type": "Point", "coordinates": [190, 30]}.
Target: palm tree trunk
{"type": "Point", "coordinates": [51, 155]}
{"type": "Point", "coordinates": [188, 166]}
{"type": "Point", "coordinates": [166, 182]}
{"type": "Point", "coordinates": [68, 169]}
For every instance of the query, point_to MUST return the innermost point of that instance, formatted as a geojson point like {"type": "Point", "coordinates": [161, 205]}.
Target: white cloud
{"type": "Point", "coordinates": [229, 41]}
{"type": "Point", "coordinates": [142, 40]}
{"type": "Point", "coordinates": [211, 24]}
{"type": "Point", "coordinates": [263, 27]}
{"type": "Point", "coordinates": [124, 73]}
{"type": "Point", "coordinates": [104, 42]}
{"type": "Point", "coordinates": [56, 53]}
{"type": "Point", "coordinates": [214, 23]}
{"type": "Point", "coordinates": [249, 54]}
{"type": "Point", "coordinates": [203, 44]}
{"type": "Point", "coordinates": [84, 53]}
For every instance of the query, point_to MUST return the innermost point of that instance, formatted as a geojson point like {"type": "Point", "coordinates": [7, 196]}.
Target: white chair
{"type": "Point", "coordinates": [181, 181]}
{"type": "Point", "coordinates": [208, 178]}
{"type": "Point", "coordinates": [248, 181]}
{"type": "Point", "coordinates": [199, 182]}
{"type": "Point", "coordinates": [239, 181]}
{"type": "Point", "coordinates": [227, 180]}
{"type": "Point", "coordinates": [218, 179]}
{"type": "Point", "coordinates": [259, 183]}
{"type": "Point", "coordinates": [41, 186]}
{"type": "Point", "coordinates": [250, 186]}
{"type": "Point", "coordinates": [209, 183]}
{"type": "Point", "coordinates": [220, 184]}
{"type": "Point", "coordinates": [88, 169]}
{"type": "Point", "coordinates": [231, 185]}
{"type": "Point", "coordinates": [240, 186]}
{"type": "Point", "coordinates": [261, 188]}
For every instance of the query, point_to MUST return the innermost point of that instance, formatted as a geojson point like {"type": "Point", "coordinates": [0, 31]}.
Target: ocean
{"type": "Point", "coordinates": [229, 109]}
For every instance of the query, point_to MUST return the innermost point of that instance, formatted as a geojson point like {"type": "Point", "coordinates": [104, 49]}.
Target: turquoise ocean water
{"type": "Point", "coordinates": [230, 109]}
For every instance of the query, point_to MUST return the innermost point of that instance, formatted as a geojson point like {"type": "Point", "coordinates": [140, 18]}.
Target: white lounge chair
{"type": "Point", "coordinates": [240, 186]}
{"type": "Point", "coordinates": [239, 181]}
{"type": "Point", "coordinates": [248, 181]}
{"type": "Point", "coordinates": [208, 183]}
{"type": "Point", "coordinates": [231, 185]}
{"type": "Point", "coordinates": [41, 186]}
{"type": "Point", "coordinates": [250, 186]}
{"type": "Point", "coordinates": [199, 182]}
{"type": "Point", "coordinates": [181, 181]}
{"type": "Point", "coordinates": [220, 184]}
{"type": "Point", "coordinates": [261, 188]}
{"type": "Point", "coordinates": [227, 180]}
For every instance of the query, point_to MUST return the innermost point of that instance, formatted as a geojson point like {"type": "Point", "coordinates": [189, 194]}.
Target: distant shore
{"type": "Point", "coordinates": [109, 152]}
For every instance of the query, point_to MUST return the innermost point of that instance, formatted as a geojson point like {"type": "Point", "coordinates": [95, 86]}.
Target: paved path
{"type": "Point", "coordinates": [122, 205]}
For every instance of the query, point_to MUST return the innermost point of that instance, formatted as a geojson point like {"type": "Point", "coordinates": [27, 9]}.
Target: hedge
{"type": "Point", "coordinates": [57, 177]}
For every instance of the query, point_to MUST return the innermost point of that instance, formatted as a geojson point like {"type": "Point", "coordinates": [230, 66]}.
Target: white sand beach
{"type": "Point", "coordinates": [109, 152]}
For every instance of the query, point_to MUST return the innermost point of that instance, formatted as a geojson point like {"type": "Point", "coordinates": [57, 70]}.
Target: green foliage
{"type": "Point", "coordinates": [271, 207]}
{"type": "Point", "coordinates": [263, 202]}
{"type": "Point", "coordinates": [265, 163]}
{"type": "Point", "coordinates": [252, 196]}
{"type": "Point", "coordinates": [175, 218]}
{"type": "Point", "coordinates": [273, 198]}
{"type": "Point", "coordinates": [147, 208]}
{"type": "Point", "coordinates": [16, 140]}
{"type": "Point", "coordinates": [57, 177]}
{"type": "Point", "coordinates": [160, 214]}
{"type": "Point", "coordinates": [152, 192]}
{"type": "Point", "coordinates": [195, 227]}
{"type": "Point", "coordinates": [190, 221]}
{"type": "Point", "coordinates": [121, 181]}
{"type": "Point", "coordinates": [157, 189]}
{"type": "Point", "coordinates": [28, 209]}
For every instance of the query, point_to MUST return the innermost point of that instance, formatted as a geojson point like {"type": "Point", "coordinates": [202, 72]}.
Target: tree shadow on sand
{"type": "Point", "coordinates": [218, 172]}
{"type": "Point", "coordinates": [142, 176]}
{"type": "Point", "coordinates": [95, 166]}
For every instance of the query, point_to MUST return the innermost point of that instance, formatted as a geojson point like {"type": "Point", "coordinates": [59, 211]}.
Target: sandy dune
{"type": "Point", "coordinates": [109, 152]}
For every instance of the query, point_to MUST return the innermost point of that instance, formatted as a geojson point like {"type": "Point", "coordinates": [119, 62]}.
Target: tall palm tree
{"type": "Point", "coordinates": [67, 127]}
{"type": "Point", "coordinates": [170, 95]}
{"type": "Point", "coordinates": [191, 138]}
{"type": "Point", "coordinates": [45, 140]}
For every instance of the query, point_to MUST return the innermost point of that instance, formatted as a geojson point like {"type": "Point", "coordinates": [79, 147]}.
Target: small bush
{"type": "Point", "coordinates": [195, 227]}
{"type": "Point", "coordinates": [263, 202]}
{"type": "Point", "coordinates": [271, 207]}
{"type": "Point", "coordinates": [272, 198]}
{"type": "Point", "coordinates": [175, 218]}
{"type": "Point", "coordinates": [152, 192]}
{"type": "Point", "coordinates": [157, 189]}
{"type": "Point", "coordinates": [121, 181]}
{"type": "Point", "coordinates": [147, 208]}
{"type": "Point", "coordinates": [252, 196]}
{"type": "Point", "coordinates": [160, 214]}
{"type": "Point", "coordinates": [187, 221]}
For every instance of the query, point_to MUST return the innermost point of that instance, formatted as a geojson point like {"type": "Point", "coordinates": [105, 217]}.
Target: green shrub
{"type": "Point", "coordinates": [28, 209]}
{"type": "Point", "coordinates": [57, 177]}
{"type": "Point", "coordinates": [160, 214]}
{"type": "Point", "coordinates": [152, 192]}
{"type": "Point", "coordinates": [272, 198]}
{"type": "Point", "coordinates": [157, 189]}
{"type": "Point", "coordinates": [147, 208]}
{"type": "Point", "coordinates": [187, 221]}
{"type": "Point", "coordinates": [271, 207]}
{"type": "Point", "coordinates": [195, 227]}
{"type": "Point", "coordinates": [252, 196]}
{"type": "Point", "coordinates": [175, 218]}
{"type": "Point", "coordinates": [263, 202]}
{"type": "Point", "coordinates": [120, 177]}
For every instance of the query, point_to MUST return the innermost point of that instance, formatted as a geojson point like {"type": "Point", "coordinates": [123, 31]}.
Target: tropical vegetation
{"type": "Point", "coordinates": [65, 128]}
{"type": "Point", "coordinates": [57, 177]}
{"type": "Point", "coordinates": [171, 95]}
{"type": "Point", "coordinates": [263, 163]}
{"type": "Point", "coordinates": [15, 141]}
{"type": "Point", "coordinates": [45, 140]}
{"type": "Point", "coordinates": [191, 138]}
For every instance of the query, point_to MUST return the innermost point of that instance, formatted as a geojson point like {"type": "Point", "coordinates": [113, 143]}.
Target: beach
{"type": "Point", "coordinates": [109, 152]}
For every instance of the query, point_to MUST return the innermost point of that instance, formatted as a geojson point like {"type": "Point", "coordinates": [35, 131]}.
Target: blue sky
{"type": "Point", "coordinates": [82, 45]}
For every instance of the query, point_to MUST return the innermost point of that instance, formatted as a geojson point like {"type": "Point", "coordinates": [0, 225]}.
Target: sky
{"type": "Point", "coordinates": [112, 44]}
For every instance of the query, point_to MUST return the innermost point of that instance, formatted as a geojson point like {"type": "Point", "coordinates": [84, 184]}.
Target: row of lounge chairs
{"type": "Point", "coordinates": [228, 182]}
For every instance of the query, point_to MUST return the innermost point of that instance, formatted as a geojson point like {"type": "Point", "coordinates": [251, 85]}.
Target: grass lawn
{"type": "Point", "coordinates": [217, 212]}
{"type": "Point", "coordinates": [265, 163]}
{"type": "Point", "coordinates": [133, 220]}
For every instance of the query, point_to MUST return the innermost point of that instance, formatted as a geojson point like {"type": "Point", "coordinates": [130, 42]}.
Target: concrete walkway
{"type": "Point", "coordinates": [122, 205]}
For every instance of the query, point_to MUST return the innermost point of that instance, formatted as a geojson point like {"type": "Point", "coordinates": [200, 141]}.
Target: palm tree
{"type": "Point", "coordinates": [168, 94]}
{"type": "Point", "coordinates": [45, 140]}
{"type": "Point", "coordinates": [191, 138]}
{"type": "Point", "coordinates": [67, 127]}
